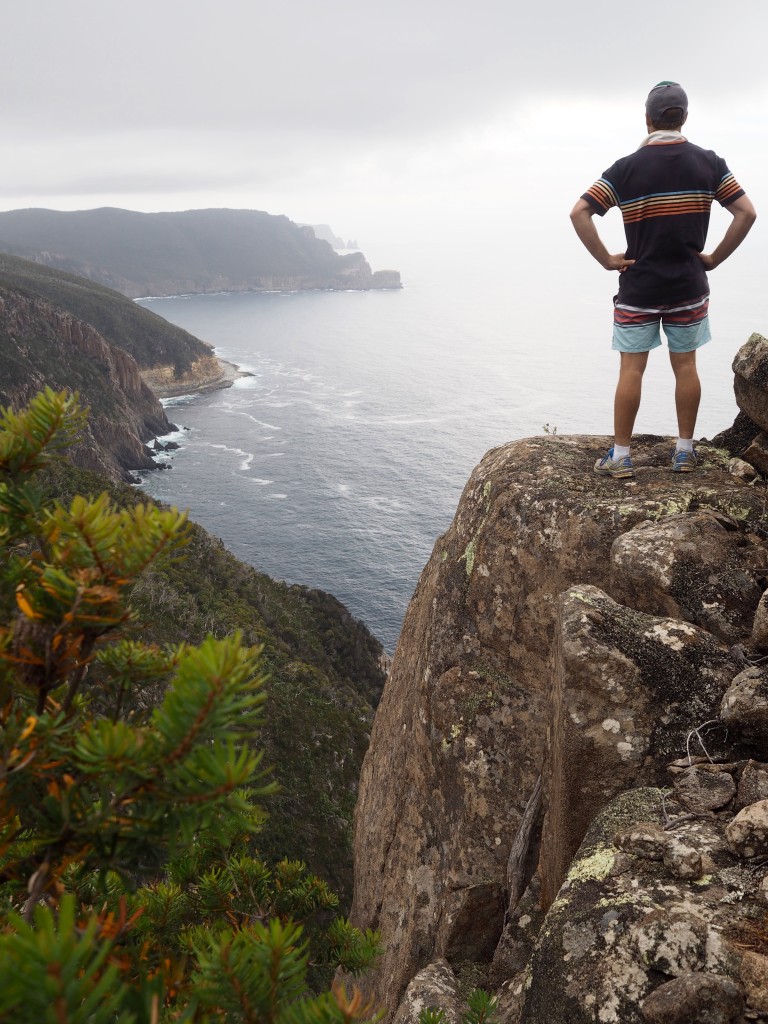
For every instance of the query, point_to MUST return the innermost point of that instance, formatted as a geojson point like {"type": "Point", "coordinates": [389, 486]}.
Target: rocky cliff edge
{"type": "Point", "coordinates": [566, 790]}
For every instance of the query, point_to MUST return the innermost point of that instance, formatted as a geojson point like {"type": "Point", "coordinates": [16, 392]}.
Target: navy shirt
{"type": "Point", "coordinates": [664, 191]}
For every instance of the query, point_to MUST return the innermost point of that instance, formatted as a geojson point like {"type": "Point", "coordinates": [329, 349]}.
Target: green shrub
{"type": "Point", "coordinates": [131, 887]}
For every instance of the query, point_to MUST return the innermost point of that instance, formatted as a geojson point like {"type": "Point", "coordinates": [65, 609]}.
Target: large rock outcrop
{"type": "Point", "coordinates": [498, 679]}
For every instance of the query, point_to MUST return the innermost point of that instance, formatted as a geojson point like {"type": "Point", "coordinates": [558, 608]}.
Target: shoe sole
{"type": "Point", "coordinates": [617, 474]}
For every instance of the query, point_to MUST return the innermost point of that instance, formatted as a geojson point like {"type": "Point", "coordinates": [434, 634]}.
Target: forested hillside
{"type": "Point", "coordinates": [151, 340]}
{"type": "Point", "coordinates": [324, 678]}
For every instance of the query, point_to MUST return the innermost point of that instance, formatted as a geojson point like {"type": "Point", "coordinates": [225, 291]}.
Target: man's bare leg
{"type": "Point", "coordinates": [628, 392]}
{"type": "Point", "coordinates": [687, 391]}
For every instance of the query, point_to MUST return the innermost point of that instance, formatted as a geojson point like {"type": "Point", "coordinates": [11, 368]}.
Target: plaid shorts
{"type": "Point", "coordinates": [637, 329]}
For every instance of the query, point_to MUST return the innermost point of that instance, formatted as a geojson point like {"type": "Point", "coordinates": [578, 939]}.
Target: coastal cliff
{"type": "Point", "coordinates": [45, 346]}
{"type": "Point", "coordinates": [194, 251]}
{"type": "Point", "coordinates": [61, 331]}
{"type": "Point", "coordinates": [554, 727]}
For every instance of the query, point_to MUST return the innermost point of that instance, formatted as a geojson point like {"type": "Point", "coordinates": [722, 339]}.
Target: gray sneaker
{"type": "Point", "coordinates": [619, 469]}
{"type": "Point", "coordinates": [683, 462]}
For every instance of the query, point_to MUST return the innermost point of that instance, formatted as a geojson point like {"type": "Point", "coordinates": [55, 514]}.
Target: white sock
{"type": "Point", "coordinates": [620, 451]}
{"type": "Point", "coordinates": [684, 444]}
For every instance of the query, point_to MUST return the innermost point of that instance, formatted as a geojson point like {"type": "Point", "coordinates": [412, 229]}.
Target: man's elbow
{"type": "Point", "coordinates": [746, 212]}
{"type": "Point", "coordinates": [581, 213]}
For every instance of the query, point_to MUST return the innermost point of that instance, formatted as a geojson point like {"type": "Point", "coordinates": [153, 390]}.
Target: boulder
{"type": "Point", "coordinates": [754, 977]}
{"type": "Point", "coordinates": [628, 688]}
{"type": "Point", "coordinates": [759, 638]}
{"type": "Point", "coordinates": [683, 861]}
{"type": "Point", "coordinates": [734, 439]}
{"type": "Point", "coordinates": [743, 470]}
{"type": "Point", "coordinates": [701, 789]}
{"type": "Point", "coordinates": [695, 999]}
{"type": "Point", "coordinates": [694, 567]}
{"type": "Point", "coordinates": [753, 784]}
{"type": "Point", "coordinates": [747, 834]}
{"type": "Point", "coordinates": [750, 383]}
{"type": "Point", "coordinates": [756, 453]}
{"type": "Point", "coordinates": [643, 839]}
{"type": "Point", "coordinates": [745, 704]}
{"type": "Point", "coordinates": [622, 927]}
{"type": "Point", "coordinates": [434, 987]}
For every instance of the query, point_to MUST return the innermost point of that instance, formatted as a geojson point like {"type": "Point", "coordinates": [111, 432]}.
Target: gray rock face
{"type": "Point", "coordinates": [747, 834]}
{"type": "Point", "coordinates": [753, 784]}
{"type": "Point", "coordinates": [753, 972]}
{"type": "Point", "coordinates": [695, 999]}
{"type": "Point", "coordinates": [622, 927]}
{"type": "Point", "coordinates": [701, 789]}
{"type": "Point", "coordinates": [759, 638]}
{"type": "Point", "coordinates": [623, 704]}
{"type": "Point", "coordinates": [750, 383]}
{"type": "Point", "coordinates": [693, 567]}
{"type": "Point", "coordinates": [460, 734]}
{"type": "Point", "coordinates": [670, 942]}
{"type": "Point", "coordinates": [756, 454]}
{"type": "Point", "coordinates": [433, 987]}
{"type": "Point", "coordinates": [745, 704]}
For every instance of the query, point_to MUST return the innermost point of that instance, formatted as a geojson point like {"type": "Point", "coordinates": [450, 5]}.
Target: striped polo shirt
{"type": "Point", "coordinates": [664, 191]}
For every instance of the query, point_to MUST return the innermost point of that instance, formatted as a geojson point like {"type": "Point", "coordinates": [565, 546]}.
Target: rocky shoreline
{"type": "Point", "coordinates": [208, 374]}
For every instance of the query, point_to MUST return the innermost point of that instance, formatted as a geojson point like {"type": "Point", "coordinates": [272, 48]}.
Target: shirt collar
{"type": "Point", "coordinates": [664, 135]}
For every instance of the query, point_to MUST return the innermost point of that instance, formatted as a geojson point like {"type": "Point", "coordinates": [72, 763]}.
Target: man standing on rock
{"type": "Point", "coordinates": [664, 191]}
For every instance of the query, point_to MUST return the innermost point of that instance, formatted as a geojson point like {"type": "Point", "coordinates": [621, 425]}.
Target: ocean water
{"type": "Point", "coordinates": [339, 460]}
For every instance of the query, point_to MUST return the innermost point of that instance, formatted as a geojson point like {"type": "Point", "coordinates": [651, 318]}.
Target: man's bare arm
{"type": "Point", "coordinates": [743, 213]}
{"type": "Point", "coordinates": [581, 218]}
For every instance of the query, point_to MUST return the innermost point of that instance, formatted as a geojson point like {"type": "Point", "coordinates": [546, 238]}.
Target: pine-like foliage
{"type": "Point", "coordinates": [131, 889]}
{"type": "Point", "coordinates": [480, 1009]}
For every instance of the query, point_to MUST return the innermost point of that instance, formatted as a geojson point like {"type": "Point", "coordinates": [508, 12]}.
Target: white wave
{"type": "Point", "coordinates": [260, 482]}
{"type": "Point", "coordinates": [382, 502]}
{"type": "Point", "coordinates": [253, 419]}
{"type": "Point", "coordinates": [177, 436]}
{"type": "Point", "coordinates": [279, 497]}
{"type": "Point", "coordinates": [168, 403]}
{"type": "Point", "coordinates": [225, 448]}
{"type": "Point", "coordinates": [245, 457]}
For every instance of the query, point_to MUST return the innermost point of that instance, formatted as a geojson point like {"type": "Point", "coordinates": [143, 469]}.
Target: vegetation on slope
{"type": "Point", "coordinates": [324, 677]}
{"type": "Point", "coordinates": [151, 340]}
{"type": "Point", "coordinates": [132, 884]}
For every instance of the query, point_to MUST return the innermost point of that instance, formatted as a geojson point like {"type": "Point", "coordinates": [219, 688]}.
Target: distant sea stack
{"type": "Point", "coordinates": [191, 252]}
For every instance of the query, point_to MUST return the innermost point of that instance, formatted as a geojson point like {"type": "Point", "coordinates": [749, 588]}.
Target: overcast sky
{"type": "Point", "coordinates": [366, 115]}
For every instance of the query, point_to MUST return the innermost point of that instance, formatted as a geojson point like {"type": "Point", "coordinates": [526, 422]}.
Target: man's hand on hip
{"type": "Point", "coordinates": [618, 261]}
